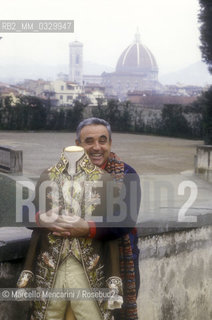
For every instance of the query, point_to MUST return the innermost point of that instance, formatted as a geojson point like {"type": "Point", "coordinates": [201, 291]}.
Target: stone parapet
{"type": "Point", "coordinates": [11, 160]}
{"type": "Point", "coordinates": [203, 162]}
{"type": "Point", "coordinates": [175, 274]}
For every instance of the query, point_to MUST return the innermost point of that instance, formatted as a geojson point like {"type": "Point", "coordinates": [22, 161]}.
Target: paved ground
{"type": "Point", "coordinates": [164, 164]}
{"type": "Point", "coordinates": [147, 154]}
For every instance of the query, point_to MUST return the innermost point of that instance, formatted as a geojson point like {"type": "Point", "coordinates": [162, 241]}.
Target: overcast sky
{"type": "Point", "coordinates": [106, 27]}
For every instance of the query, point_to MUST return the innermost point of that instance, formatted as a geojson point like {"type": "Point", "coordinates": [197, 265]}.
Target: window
{"type": "Point", "coordinates": [77, 61]}
{"type": "Point", "coordinates": [62, 88]}
{"type": "Point", "coordinates": [61, 97]}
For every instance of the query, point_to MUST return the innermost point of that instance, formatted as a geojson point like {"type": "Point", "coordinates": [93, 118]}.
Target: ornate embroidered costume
{"type": "Point", "coordinates": [78, 194]}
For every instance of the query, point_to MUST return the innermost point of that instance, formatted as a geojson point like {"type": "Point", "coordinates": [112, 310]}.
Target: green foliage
{"type": "Point", "coordinates": [139, 125]}
{"type": "Point", "coordinates": [119, 115]}
{"type": "Point", "coordinates": [109, 112]}
{"type": "Point", "coordinates": [174, 124]}
{"type": "Point", "coordinates": [32, 113]}
{"type": "Point", "coordinates": [205, 18]}
{"type": "Point", "coordinates": [77, 114]}
{"type": "Point", "coordinates": [1, 102]}
{"type": "Point", "coordinates": [73, 116]}
{"type": "Point", "coordinates": [205, 105]}
{"type": "Point", "coordinates": [8, 102]}
{"type": "Point", "coordinates": [56, 120]}
{"type": "Point", "coordinates": [28, 114]}
{"type": "Point", "coordinates": [126, 118]}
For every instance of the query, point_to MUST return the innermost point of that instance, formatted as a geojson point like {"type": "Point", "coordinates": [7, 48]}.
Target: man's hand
{"type": "Point", "coordinates": [73, 226]}
{"type": "Point", "coordinates": [64, 225]}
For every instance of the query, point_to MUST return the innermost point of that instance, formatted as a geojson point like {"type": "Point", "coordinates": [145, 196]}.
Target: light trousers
{"type": "Point", "coordinates": [71, 275]}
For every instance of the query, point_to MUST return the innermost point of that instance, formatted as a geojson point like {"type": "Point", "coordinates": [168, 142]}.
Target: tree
{"type": "Point", "coordinates": [34, 112]}
{"type": "Point", "coordinates": [73, 116]}
{"type": "Point", "coordinates": [139, 125]}
{"type": "Point", "coordinates": [205, 104]}
{"type": "Point", "coordinates": [117, 114]}
{"type": "Point", "coordinates": [125, 121]}
{"type": "Point", "coordinates": [174, 124]}
{"type": "Point", "coordinates": [100, 111]}
{"type": "Point", "coordinates": [77, 114]}
{"type": "Point", "coordinates": [205, 18]}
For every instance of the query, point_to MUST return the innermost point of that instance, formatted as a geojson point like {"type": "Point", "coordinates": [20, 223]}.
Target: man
{"type": "Point", "coordinates": [94, 135]}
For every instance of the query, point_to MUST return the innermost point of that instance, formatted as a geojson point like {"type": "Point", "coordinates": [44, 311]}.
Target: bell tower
{"type": "Point", "coordinates": [76, 62]}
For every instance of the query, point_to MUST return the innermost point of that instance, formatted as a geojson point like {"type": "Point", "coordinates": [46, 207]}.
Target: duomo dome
{"type": "Point", "coordinates": [137, 59]}
{"type": "Point", "coordinates": [136, 71]}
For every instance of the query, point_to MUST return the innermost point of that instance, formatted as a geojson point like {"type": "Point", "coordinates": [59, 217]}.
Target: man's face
{"type": "Point", "coordinates": [95, 140]}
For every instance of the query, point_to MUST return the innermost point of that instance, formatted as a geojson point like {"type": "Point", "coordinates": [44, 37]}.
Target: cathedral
{"type": "Point", "coordinates": [136, 70]}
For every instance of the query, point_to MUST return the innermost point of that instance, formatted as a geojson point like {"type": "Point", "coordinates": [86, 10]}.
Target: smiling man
{"type": "Point", "coordinates": [95, 136]}
{"type": "Point", "coordinates": [66, 250]}
{"type": "Point", "coordinates": [95, 139]}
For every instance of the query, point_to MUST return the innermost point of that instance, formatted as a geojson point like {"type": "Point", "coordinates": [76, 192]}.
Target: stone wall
{"type": "Point", "coordinates": [176, 276]}
{"type": "Point", "coordinates": [11, 160]}
{"type": "Point", "coordinates": [203, 162]}
{"type": "Point", "coordinates": [14, 244]}
{"type": "Point", "coordinates": [175, 272]}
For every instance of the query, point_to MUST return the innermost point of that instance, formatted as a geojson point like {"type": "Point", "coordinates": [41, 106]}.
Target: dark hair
{"type": "Point", "coordinates": [90, 121]}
